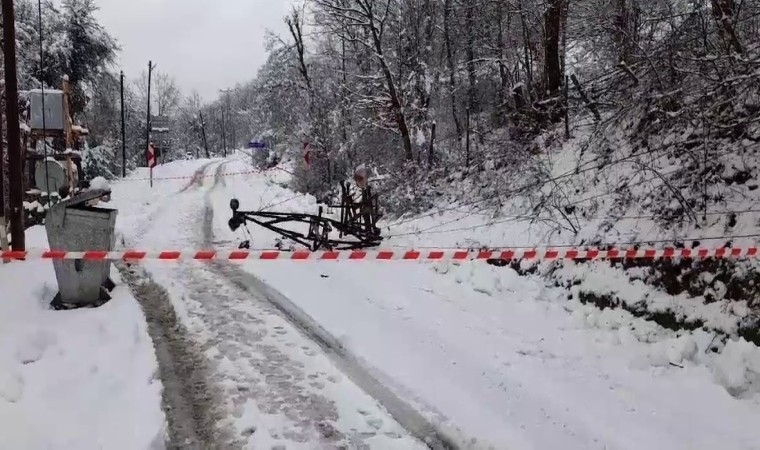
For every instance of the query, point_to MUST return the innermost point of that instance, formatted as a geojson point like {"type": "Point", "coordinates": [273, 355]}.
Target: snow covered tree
{"type": "Point", "coordinates": [90, 49]}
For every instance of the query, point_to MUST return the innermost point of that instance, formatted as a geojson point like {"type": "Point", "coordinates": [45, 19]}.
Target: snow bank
{"type": "Point", "coordinates": [84, 379]}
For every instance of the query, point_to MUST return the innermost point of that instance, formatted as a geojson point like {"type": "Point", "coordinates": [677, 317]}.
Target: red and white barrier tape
{"type": "Point", "coordinates": [389, 255]}
{"type": "Point", "coordinates": [211, 175]}
{"type": "Point", "coordinates": [198, 177]}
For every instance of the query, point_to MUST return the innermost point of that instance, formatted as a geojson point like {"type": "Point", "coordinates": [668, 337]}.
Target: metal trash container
{"type": "Point", "coordinates": [75, 226]}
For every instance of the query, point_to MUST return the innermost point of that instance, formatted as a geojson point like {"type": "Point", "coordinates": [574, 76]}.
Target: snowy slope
{"type": "Point", "coordinates": [506, 361]}
{"type": "Point", "coordinates": [581, 193]}
{"type": "Point", "coordinates": [81, 379]}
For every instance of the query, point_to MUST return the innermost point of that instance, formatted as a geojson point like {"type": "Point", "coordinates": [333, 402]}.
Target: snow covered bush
{"type": "Point", "coordinates": [100, 162]}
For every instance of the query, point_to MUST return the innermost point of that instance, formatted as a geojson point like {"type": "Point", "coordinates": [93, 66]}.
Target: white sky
{"type": "Point", "coordinates": [206, 45]}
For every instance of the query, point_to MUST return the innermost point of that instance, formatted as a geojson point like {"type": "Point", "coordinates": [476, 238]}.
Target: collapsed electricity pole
{"type": "Point", "coordinates": [15, 156]}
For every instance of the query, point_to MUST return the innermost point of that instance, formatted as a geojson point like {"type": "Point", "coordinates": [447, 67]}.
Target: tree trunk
{"type": "Point", "coordinates": [503, 74]}
{"type": "Point", "coordinates": [526, 47]}
{"type": "Point", "coordinates": [473, 102]}
{"type": "Point", "coordinates": [396, 107]}
{"type": "Point", "coordinates": [472, 94]}
{"type": "Point", "coordinates": [431, 147]}
{"type": "Point", "coordinates": [344, 109]}
{"type": "Point", "coordinates": [450, 66]}
{"type": "Point", "coordinates": [293, 22]}
{"type": "Point", "coordinates": [552, 65]}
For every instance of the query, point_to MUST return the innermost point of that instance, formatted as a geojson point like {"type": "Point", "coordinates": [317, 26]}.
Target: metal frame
{"type": "Point", "coordinates": [357, 226]}
{"type": "Point", "coordinates": [362, 215]}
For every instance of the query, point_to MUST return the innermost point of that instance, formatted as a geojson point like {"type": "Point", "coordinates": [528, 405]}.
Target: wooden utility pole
{"type": "Point", "coordinates": [15, 155]}
{"type": "Point", "coordinates": [68, 123]}
{"type": "Point", "coordinates": [123, 131]}
{"type": "Point", "coordinates": [44, 112]}
{"type": "Point", "coordinates": [224, 135]}
{"type": "Point", "coordinates": [147, 128]}
{"type": "Point", "coordinates": [3, 228]}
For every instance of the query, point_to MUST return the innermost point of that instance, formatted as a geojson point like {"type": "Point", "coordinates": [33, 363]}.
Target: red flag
{"type": "Point", "coordinates": [151, 155]}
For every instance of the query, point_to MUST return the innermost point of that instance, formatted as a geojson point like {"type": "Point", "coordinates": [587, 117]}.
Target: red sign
{"type": "Point", "coordinates": [151, 156]}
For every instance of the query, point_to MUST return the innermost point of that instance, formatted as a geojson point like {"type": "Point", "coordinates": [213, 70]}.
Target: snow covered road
{"type": "Point", "coordinates": [494, 359]}
{"type": "Point", "coordinates": [275, 385]}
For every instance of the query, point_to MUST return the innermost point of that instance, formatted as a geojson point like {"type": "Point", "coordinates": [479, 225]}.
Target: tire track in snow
{"type": "Point", "coordinates": [195, 183]}
{"type": "Point", "coordinates": [407, 416]}
{"type": "Point", "coordinates": [190, 403]}
{"type": "Point", "coordinates": [269, 385]}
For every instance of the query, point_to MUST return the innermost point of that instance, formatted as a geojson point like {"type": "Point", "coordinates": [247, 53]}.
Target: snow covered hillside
{"type": "Point", "coordinates": [568, 196]}
{"type": "Point", "coordinates": [490, 357]}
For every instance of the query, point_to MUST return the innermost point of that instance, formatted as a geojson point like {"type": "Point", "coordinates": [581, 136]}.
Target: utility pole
{"type": "Point", "coordinates": [42, 87]}
{"type": "Point", "coordinates": [224, 135]}
{"type": "Point", "coordinates": [3, 229]}
{"type": "Point", "coordinates": [15, 171]}
{"type": "Point", "coordinates": [231, 118]}
{"type": "Point", "coordinates": [203, 130]}
{"type": "Point", "coordinates": [123, 132]}
{"type": "Point", "coordinates": [147, 131]}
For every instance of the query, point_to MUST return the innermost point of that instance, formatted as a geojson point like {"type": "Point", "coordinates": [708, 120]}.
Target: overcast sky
{"type": "Point", "coordinates": [206, 45]}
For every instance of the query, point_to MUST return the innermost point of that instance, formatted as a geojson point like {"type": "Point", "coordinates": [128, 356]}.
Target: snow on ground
{"type": "Point", "coordinates": [506, 361]}
{"type": "Point", "coordinates": [279, 388]}
{"type": "Point", "coordinates": [497, 360]}
{"type": "Point", "coordinates": [83, 379]}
